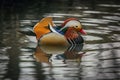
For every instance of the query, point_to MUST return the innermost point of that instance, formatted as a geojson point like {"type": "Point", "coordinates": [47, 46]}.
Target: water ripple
{"type": "Point", "coordinates": [96, 31]}
{"type": "Point", "coordinates": [92, 38]}
{"type": "Point", "coordinates": [22, 59]}
{"type": "Point", "coordinates": [97, 21]}
{"type": "Point", "coordinates": [102, 46]}
{"type": "Point", "coordinates": [112, 18]}
{"type": "Point", "coordinates": [109, 5]}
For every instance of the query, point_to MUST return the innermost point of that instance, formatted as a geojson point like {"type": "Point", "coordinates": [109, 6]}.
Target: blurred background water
{"type": "Point", "coordinates": [97, 59]}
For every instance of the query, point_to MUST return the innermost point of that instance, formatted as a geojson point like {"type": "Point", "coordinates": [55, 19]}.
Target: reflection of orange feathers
{"type": "Point", "coordinates": [41, 27]}
{"type": "Point", "coordinates": [41, 56]}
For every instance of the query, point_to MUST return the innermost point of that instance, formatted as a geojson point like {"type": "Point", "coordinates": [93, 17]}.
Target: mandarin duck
{"type": "Point", "coordinates": [47, 33]}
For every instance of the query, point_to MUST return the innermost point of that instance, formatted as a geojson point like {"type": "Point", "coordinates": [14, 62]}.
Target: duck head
{"type": "Point", "coordinates": [72, 24]}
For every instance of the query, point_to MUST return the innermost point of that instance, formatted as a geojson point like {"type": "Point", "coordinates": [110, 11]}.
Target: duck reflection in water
{"type": "Point", "coordinates": [50, 54]}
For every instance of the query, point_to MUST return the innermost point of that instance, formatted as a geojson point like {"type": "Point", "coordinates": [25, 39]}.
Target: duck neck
{"type": "Point", "coordinates": [63, 31]}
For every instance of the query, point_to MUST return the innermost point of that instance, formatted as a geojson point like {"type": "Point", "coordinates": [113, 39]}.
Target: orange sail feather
{"type": "Point", "coordinates": [41, 27]}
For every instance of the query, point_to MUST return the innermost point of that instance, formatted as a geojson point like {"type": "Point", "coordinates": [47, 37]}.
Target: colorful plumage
{"type": "Point", "coordinates": [47, 33]}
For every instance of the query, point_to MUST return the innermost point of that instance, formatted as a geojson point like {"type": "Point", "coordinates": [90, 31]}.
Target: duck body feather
{"type": "Point", "coordinates": [53, 39]}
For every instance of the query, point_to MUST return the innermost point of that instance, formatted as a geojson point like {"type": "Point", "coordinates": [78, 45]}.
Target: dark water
{"type": "Point", "coordinates": [97, 59]}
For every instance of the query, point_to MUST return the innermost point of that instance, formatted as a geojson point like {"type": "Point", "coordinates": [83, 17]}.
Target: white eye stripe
{"type": "Point", "coordinates": [72, 23]}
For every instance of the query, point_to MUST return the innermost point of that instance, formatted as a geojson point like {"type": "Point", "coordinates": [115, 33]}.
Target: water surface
{"type": "Point", "coordinates": [97, 59]}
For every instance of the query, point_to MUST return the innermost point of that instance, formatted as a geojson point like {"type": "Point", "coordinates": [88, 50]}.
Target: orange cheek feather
{"type": "Point", "coordinates": [71, 33]}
